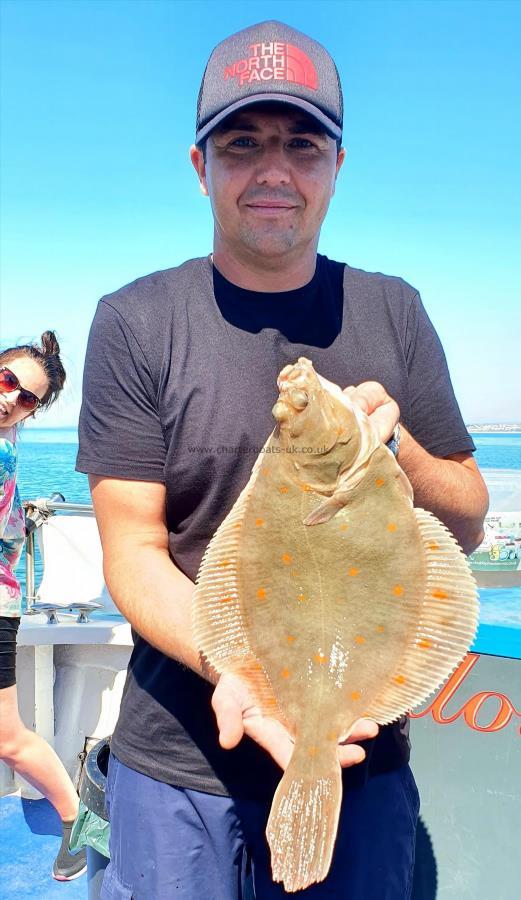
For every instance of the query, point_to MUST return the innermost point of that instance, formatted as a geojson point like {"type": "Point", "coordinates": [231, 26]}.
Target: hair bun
{"type": "Point", "coordinates": [50, 345]}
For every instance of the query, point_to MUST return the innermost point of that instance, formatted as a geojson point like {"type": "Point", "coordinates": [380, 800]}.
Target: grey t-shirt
{"type": "Point", "coordinates": [179, 383]}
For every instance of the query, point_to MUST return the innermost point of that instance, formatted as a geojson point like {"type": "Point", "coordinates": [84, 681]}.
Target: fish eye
{"type": "Point", "coordinates": [298, 399]}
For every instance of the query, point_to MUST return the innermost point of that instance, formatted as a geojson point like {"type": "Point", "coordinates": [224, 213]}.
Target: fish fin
{"type": "Point", "coordinates": [405, 484]}
{"type": "Point", "coordinates": [303, 821]}
{"type": "Point", "coordinates": [217, 621]}
{"type": "Point", "coordinates": [251, 670]}
{"type": "Point", "coordinates": [217, 617]}
{"type": "Point", "coordinates": [447, 624]}
{"type": "Point", "coordinates": [324, 511]}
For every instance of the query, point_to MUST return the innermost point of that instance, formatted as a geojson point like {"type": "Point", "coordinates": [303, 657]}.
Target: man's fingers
{"type": "Point", "coordinates": [228, 713]}
{"type": "Point", "coordinates": [363, 730]}
{"type": "Point", "coordinates": [368, 395]}
{"type": "Point", "coordinates": [272, 736]}
{"type": "Point", "coordinates": [385, 419]}
{"type": "Point", "coordinates": [350, 755]}
{"type": "Point", "coordinates": [374, 400]}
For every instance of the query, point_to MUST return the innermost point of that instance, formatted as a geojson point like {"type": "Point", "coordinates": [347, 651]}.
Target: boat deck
{"type": "Point", "coordinates": [31, 835]}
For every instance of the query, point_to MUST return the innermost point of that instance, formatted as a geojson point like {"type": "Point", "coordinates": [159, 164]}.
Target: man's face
{"type": "Point", "coordinates": [270, 173]}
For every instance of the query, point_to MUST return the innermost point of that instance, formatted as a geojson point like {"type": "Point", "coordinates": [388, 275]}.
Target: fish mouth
{"type": "Point", "coordinates": [297, 410]}
{"type": "Point", "coordinates": [294, 390]}
{"type": "Point", "coordinates": [297, 374]}
{"type": "Point", "coordinates": [295, 383]}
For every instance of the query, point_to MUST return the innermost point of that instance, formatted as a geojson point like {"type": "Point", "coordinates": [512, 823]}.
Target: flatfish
{"type": "Point", "coordinates": [333, 598]}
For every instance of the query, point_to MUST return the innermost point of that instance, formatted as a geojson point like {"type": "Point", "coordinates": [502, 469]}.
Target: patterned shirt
{"type": "Point", "coordinates": [12, 528]}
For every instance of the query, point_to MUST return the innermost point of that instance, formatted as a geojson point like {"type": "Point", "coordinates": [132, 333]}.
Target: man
{"type": "Point", "coordinates": [180, 380]}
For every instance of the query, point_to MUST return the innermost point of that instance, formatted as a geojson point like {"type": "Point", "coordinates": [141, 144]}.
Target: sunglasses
{"type": "Point", "coordinates": [26, 400]}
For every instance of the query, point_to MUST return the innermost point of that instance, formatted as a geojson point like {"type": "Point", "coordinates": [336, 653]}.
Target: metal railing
{"type": "Point", "coordinates": [36, 513]}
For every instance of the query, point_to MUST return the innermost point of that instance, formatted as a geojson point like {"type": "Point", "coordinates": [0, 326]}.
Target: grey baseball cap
{"type": "Point", "coordinates": [269, 62]}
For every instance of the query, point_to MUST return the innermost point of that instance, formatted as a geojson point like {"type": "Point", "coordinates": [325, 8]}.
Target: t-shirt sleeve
{"type": "Point", "coordinates": [120, 433]}
{"type": "Point", "coordinates": [435, 419]}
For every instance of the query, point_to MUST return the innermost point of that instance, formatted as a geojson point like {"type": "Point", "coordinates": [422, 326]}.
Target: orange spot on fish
{"type": "Point", "coordinates": [438, 594]}
{"type": "Point", "coordinates": [301, 598]}
{"type": "Point", "coordinates": [290, 638]}
{"type": "Point", "coordinates": [356, 695]}
{"type": "Point", "coordinates": [224, 562]}
{"type": "Point", "coordinates": [380, 629]}
{"type": "Point", "coordinates": [353, 571]}
{"type": "Point", "coordinates": [398, 590]}
{"type": "Point", "coordinates": [340, 429]}
{"type": "Point", "coordinates": [226, 600]}
{"type": "Point", "coordinates": [400, 679]}
{"type": "Point", "coordinates": [343, 526]}
{"type": "Point", "coordinates": [271, 702]}
{"type": "Point", "coordinates": [332, 736]}
{"type": "Point", "coordinates": [283, 489]}
{"type": "Point", "coordinates": [313, 751]}
{"type": "Point", "coordinates": [261, 594]}
{"type": "Point", "coordinates": [392, 526]}
{"type": "Point", "coordinates": [305, 487]}
{"type": "Point", "coordinates": [259, 522]}
{"type": "Point", "coordinates": [286, 558]}
{"type": "Point", "coordinates": [379, 482]}
{"type": "Point", "coordinates": [320, 658]}
{"type": "Point", "coordinates": [433, 546]}
{"type": "Point", "coordinates": [359, 639]}
{"type": "Point", "coordinates": [285, 673]}
{"type": "Point", "coordinates": [425, 645]}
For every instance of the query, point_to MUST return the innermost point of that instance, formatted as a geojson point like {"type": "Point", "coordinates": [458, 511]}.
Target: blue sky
{"type": "Point", "coordinates": [98, 108]}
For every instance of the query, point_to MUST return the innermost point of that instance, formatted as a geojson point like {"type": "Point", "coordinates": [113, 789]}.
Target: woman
{"type": "Point", "coordinates": [31, 378]}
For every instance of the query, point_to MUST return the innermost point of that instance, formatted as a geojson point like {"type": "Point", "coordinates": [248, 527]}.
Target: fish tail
{"type": "Point", "coordinates": [304, 815]}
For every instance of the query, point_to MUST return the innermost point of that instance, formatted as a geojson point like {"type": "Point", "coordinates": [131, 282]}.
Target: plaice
{"type": "Point", "coordinates": [333, 598]}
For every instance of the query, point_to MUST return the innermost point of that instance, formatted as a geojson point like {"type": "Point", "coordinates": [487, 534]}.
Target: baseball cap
{"type": "Point", "coordinates": [269, 62]}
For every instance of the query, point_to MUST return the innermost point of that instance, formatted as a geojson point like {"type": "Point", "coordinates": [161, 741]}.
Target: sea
{"type": "Point", "coordinates": [46, 465]}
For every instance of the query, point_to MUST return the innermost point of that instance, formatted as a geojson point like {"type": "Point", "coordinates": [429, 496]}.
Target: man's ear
{"type": "Point", "coordinates": [197, 159]}
{"type": "Point", "coordinates": [339, 162]}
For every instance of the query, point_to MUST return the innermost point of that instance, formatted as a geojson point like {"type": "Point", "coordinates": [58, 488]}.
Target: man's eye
{"type": "Point", "coordinates": [242, 142]}
{"type": "Point", "coordinates": [301, 144]}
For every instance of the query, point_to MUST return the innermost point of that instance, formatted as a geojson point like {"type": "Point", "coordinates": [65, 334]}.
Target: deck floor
{"type": "Point", "coordinates": [30, 838]}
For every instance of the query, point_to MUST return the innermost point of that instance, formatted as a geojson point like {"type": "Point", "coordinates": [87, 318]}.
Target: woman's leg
{"type": "Point", "coordinates": [32, 758]}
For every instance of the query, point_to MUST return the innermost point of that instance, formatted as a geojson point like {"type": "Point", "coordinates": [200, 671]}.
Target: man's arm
{"type": "Point", "coordinates": [452, 487]}
{"type": "Point", "coordinates": [156, 598]}
{"type": "Point", "coordinates": [150, 591]}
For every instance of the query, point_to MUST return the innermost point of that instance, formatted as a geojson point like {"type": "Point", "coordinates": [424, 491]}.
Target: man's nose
{"type": "Point", "coordinates": [273, 168]}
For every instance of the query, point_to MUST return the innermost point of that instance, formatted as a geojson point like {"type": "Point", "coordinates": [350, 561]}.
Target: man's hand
{"type": "Point", "coordinates": [374, 400]}
{"type": "Point", "coordinates": [451, 487]}
{"type": "Point", "coordinates": [238, 715]}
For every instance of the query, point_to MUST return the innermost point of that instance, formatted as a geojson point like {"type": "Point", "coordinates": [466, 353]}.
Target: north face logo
{"type": "Point", "coordinates": [274, 61]}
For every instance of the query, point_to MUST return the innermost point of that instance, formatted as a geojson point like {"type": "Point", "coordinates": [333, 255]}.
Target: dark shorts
{"type": "Point", "coordinates": [169, 842]}
{"type": "Point", "coordinates": [8, 631]}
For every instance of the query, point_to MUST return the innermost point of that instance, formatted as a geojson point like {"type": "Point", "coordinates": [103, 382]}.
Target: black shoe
{"type": "Point", "coordinates": [67, 865]}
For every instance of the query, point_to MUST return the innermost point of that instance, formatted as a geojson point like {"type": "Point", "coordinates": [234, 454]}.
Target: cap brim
{"type": "Point", "coordinates": [331, 127]}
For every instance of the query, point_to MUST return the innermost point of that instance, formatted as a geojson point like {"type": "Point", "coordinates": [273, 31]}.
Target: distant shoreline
{"type": "Point", "coordinates": [495, 428]}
